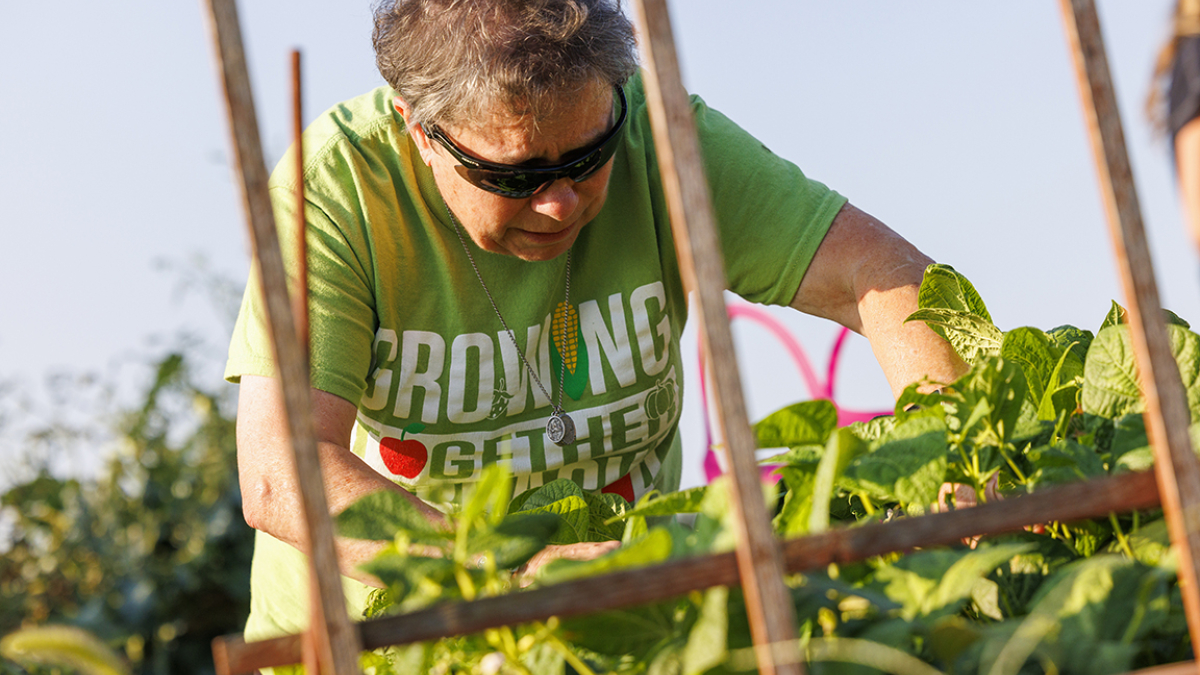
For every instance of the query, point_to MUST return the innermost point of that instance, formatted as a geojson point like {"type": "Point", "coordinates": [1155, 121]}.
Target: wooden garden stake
{"type": "Point", "coordinates": [1167, 415]}
{"type": "Point", "coordinates": [332, 637]}
{"type": "Point", "coordinates": [333, 642]}
{"type": "Point", "coordinates": [300, 300]}
{"type": "Point", "coordinates": [628, 588]}
{"type": "Point", "coordinates": [768, 601]}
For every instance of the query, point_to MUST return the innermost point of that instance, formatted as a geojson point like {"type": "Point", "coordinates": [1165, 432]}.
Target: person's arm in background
{"type": "Point", "coordinates": [1187, 162]}
{"type": "Point", "coordinates": [866, 277]}
{"type": "Point", "coordinates": [270, 490]}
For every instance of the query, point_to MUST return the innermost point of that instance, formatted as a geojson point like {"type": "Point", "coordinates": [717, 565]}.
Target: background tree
{"type": "Point", "coordinates": [152, 554]}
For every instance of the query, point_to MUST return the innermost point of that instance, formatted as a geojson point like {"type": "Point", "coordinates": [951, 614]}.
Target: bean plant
{"type": "Point", "coordinates": [1038, 408]}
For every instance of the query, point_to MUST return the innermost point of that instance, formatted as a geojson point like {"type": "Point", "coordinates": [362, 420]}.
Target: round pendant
{"type": "Point", "coordinates": [560, 429]}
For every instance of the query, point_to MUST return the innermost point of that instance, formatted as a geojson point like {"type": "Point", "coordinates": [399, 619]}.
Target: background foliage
{"type": "Point", "coordinates": [151, 554]}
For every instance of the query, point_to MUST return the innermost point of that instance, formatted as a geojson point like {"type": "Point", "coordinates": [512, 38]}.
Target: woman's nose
{"type": "Point", "coordinates": [557, 201]}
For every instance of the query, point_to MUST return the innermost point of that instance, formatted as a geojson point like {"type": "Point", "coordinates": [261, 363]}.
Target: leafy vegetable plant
{"type": "Point", "coordinates": [1038, 408]}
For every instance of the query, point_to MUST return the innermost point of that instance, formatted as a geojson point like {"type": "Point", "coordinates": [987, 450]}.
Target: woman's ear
{"type": "Point", "coordinates": [400, 106]}
{"type": "Point", "coordinates": [416, 132]}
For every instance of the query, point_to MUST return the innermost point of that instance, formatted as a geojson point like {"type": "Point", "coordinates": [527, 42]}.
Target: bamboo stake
{"type": "Point", "coordinates": [1091, 499]}
{"type": "Point", "coordinates": [768, 603]}
{"type": "Point", "coordinates": [332, 636]}
{"type": "Point", "coordinates": [1167, 415]}
{"type": "Point", "coordinates": [312, 655]}
{"type": "Point", "coordinates": [1183, 668]}
{"type": "Point", "coordinates": [301, 292]}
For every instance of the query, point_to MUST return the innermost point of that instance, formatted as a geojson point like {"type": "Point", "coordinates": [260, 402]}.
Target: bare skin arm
{"type": "Point", "coordinates": [271, 495]}
{"type": "Point", "coordinates": [1187, 157]}
{"type": "Point", "coordinates": [270, 492]}
{"type": "Point", "coordinates": [866, 277]}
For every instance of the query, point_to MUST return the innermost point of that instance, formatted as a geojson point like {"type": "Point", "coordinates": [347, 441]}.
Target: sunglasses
{"type": "Point", "coordinates": [519, 182]}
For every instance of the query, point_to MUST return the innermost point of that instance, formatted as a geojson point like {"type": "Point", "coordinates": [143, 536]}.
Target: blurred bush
{"type": "Point", "coordinates": [151, 554]}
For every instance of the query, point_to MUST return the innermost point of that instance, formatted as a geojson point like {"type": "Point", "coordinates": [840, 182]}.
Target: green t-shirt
{"type": "Point", "coordinates": [401, 327]}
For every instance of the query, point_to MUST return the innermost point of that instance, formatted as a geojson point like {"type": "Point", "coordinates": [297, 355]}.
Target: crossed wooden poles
{"type": "Point", "coordinates": [332, 643]}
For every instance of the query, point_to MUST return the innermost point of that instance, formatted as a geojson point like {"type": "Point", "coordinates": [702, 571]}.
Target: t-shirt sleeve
{"type": "Point", "coordinates": [770, 217]}
{"type": "Point", "coordinates": [342, 317]}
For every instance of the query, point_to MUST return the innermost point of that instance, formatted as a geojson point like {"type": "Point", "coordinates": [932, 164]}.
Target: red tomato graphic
{"type": "Point", "coordinates": [404, 457]}
{"type": "Point", "coordinates": [622, 486]}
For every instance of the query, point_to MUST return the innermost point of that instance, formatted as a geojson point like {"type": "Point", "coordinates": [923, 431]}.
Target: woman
{"type": "Point", "coordinates": [1174, 106]}
{"type": "Point", "coordinates": [493, 276]}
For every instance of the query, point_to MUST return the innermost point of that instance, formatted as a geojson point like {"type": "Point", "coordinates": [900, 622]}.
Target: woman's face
{"type": "Point", "coordinates": [543, 226]}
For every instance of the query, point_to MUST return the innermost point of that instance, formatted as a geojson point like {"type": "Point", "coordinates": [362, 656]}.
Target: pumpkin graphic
{"type": "Point", "coordinates": [660, 401]}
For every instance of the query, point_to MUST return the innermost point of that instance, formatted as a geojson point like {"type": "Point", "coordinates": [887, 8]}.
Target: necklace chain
{"type": "Point", "coordinates": [562, 374]}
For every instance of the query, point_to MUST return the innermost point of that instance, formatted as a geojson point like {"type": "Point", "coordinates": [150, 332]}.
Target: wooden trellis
{"type": "Point", "coordinates": [332, 643]}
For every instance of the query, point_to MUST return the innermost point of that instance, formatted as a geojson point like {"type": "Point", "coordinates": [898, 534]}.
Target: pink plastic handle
{"type": "Point", "coordinates": [816, 388]}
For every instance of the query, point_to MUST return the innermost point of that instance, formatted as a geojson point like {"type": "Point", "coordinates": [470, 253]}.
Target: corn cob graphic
{"type": "Point", "coordinates": [566, 320]}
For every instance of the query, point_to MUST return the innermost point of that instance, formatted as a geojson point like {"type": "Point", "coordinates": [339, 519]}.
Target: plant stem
{"type": "Point", "coordinates": [1013, 465]}
{"type": "Point", "coordinates": [465, 585]}
{"type": "Point", "coordinates": [569, 655]}
{"type": "Point", "coordinates": [1112, 518]}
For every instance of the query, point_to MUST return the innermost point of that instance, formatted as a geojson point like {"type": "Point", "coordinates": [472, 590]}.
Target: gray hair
{"type": "Point", "coordinates": [450, 60]}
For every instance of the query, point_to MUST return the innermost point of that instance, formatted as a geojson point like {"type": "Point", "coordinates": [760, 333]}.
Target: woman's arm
{"type": "Point", "coordinates": [866, 277]}
{"type": "Point", "coordinates": [270, 490]}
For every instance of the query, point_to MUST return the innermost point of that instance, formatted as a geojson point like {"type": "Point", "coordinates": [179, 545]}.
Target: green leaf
{"type": "Point", "coordinates": [1110, 386]}
{"type": "Point", "coordinates": [909, 465]}
{"type": "Point", "coordinates": [1110, 382]}
{"type": "Point", "coordinates": [1185, 346]}
{"type": "Point", "coordinates": [405, 575]}
{"type": "Point", "coordinates": [655, 547]}
{"type": "Point", "coordinates": [546, 494]}
{"type": "Point", "coordinates": [843, 447]}
{"type": "Point", "coordinates": [993, 393]}
{"type": "Point", "coordinates": [684, 501]}
{"type": "Point", "coordinates": [575, 518]}
{"type": "Point", "coordinates": [912, 403]}
{"type": "Point", "coordinates": [867, 653]}
{"type": "Point", "coordinates": [515, 539]}
{"type": "Point", "coordinates": [945, 287]}
{"type": "Point", "coordinates": [801, 456]}
{"type": "Point", "coordinates": [491, 493]}
{"type": "Point", "coordinates": [796, 515]}
{"type": "Point", "coordinates": [706, 643]}
{"type": "Point", "coordinates": [635, 528]}
{"type": "Point", "coordinates": [632, 631]}
{"type": "Point", "coordinates": [62, 646]}
{"type": "Point", "coordinates": [951, 636]}
{"type": "Point", "coordinates": [958, 583]}
{"type": "Point", "coordinates": [1063, 462]}
{"type": "Point", "coordinates": [936, 583]}
{"type": "Point", "coordinates": [807, 422]}
{"type": "Point", "coordinates": [380, 515]}
{"type": "Point", "coordinates": [564, 498]}
{"type": "Point", "coordinates": [1077, 340]}
{"type": "Point", "coordinates": [1129, 449]}
{"type": "Point", "coordinates": [606, 513]}
{"type": "Point", "coordinates": [973, 337]}
{"type": "Point", "coordinates": [1150, 543]}
{"type": "Point", "coordinates": [952, 308]}
{"type": "Point", "coordinates": [1037, 355]}
{"type": "Point", "coordinates": [1117, 316]}
{"type": "Point", "coordinates": [876, 428]}
{"type": "Point", "coordinates": [1071, 603]}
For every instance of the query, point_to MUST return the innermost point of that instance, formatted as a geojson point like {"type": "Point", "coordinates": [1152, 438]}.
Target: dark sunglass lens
{"type": "Point", "coordinates": [504, 183]}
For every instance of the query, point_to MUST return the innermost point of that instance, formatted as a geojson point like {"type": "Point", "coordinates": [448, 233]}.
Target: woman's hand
{"type": "Point", "coordinates": [588, 550]}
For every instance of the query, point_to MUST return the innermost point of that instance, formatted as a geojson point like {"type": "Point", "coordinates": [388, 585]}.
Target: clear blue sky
{"type": "Point", "coordinates": [956, 123]}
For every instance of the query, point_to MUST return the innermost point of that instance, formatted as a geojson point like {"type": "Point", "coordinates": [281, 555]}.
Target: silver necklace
{"type": "Point", "coordinates": [560, 429]}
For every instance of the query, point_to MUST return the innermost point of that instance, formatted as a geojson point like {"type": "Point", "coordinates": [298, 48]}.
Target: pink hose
{"type": "Point", "coordinates": [816, 389]}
